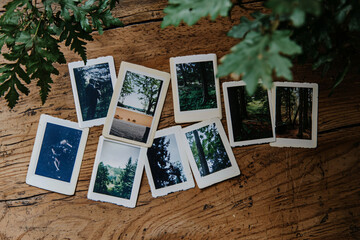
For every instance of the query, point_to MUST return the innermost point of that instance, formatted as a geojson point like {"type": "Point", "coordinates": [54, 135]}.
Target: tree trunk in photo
{"type": "Point", "coordinates": [306, 109]}
{"type": "Point", "coordinates": [204, 83]}
{"type": "Point", "coordinates": [278, 108]}
{"type": "Point", "coordinates": [235, 110]}
{"type": "Point", "coordinates": [301, 113]}
{"type": "Point", "coordinates": [154, 101]}
{"type": "Point", "coordinates": [288, 100]}
{"type": "Point", "coordinates": [243, 103]}
{"type": "Point", "coordinates": [200, 149]}
{"type": "Point", "coordinates": [184, 74]}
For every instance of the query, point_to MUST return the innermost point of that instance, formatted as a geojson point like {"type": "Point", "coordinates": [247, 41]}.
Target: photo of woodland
{"type": "Point", "coordinates": [196, 85]}
{"type": "Point", "coordinates": [250, 115]}
{"type": "Point", "coordinates": [94, 89]}
{"type": "Point", "coordinates": [293, 112]}
{"type": "Point", "coordinates": [165, 162]}
{"type": "Point", "coordinates": [208, 149]}
{"type": "Point", "coordinates": [116, 171]}
{"type": "Point", "coordinates": [136, 107]}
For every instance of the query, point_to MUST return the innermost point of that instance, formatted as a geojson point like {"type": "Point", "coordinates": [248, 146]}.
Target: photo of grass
{"type": "Point", "coordinates": [116, 170]}
{"type": "Point", "coordinates": [250, 115]}
{"type": "Point", "coordinates": [293, 112]}
{"type": "Point", "coordinates": [196, 85]}
{"type": "Point", "coordinates": [136, 107]}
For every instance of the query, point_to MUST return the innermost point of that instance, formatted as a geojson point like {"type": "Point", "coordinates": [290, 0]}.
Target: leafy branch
{"type": "Point", "coordinates": [30, 37]}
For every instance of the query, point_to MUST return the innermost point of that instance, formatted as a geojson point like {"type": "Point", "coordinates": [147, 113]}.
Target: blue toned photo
{"type": "Point", "coordinates": [58, 152]}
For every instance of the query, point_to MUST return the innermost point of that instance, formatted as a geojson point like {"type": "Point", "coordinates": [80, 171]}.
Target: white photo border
{"type": "Point", "coordinates": [229, 122]}
{"type": "Point", "coordinates": [67, 188]}
{"type": "Point", "coordinates": [194, 115]}
{"type": "Point", "coordinates": [131, 203]}
{"type": "Point", "coordinates": [78, 64]}
{"type": "Point", "coordinates": [300, 143]}
{"type": "Point", "coordinates": [124, 67]}
{"type": "Point", "coordinates": [218, 176]}
{"type": "Point", "coordinates": [189, 183]}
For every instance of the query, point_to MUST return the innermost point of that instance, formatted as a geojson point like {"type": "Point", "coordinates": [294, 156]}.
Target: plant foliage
{"type": "Point", "coordinates": [32, 32]}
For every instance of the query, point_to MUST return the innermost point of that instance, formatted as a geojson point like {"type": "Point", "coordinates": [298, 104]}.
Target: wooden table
{"type": "Point", "coordinates": [282, 193]}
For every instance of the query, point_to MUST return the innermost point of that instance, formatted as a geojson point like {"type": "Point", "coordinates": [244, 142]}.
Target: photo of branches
{"type": "Point", "coordinates": [136, 106]}
{"type": "Point", "coordinates": [116, 171]}
{"type": "Point", "coordinates": [165, 162]}
{"type": "Point", "coordinates": [208, 149]}
{"type": "Point", "coordinates": [250, 115]}
{"type": "Point", "coordinates": [94, 89]}
{"type": "Point", "coordinates": [196, 85]}
{"type": "Point", "coordinates": [293, 112]}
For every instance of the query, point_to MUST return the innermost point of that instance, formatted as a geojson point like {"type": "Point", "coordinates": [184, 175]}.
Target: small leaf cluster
{"type": "Point", "coordinates": [30, 34]}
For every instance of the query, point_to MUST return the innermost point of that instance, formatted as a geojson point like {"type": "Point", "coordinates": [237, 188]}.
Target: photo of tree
{"type": "Point", "coordinates": [208, 149]}
{"type": "Point", "coordinates": [94, 89]}
{"type": "Point", "coordinates": [58, 152]}
{"type": "Point", "coordinates": [165, 162]}
{"type": "Point", "coordinates": [136, 107]}
{"type": "Point", "coordinates": [116, 170]}
{"type": "Point", "coordinates": [293, 112]}
{"type": "Point", "coordinates": [250, 115]}
{"type": "Point", "coordinates": [196, 85]}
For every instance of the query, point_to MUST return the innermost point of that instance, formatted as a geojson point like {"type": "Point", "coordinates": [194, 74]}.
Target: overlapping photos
{"type": "Point", "coordinates": [130, 109]}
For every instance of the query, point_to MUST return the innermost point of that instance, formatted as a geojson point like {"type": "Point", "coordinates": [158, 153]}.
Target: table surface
{"type": "Point", "coordinates": [282, 193]}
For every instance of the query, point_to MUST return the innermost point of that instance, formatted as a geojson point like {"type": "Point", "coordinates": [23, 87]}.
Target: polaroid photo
{"type": "Point", "coordinates": [92, 86]}
{"type": "Point", "coordinates": [296, 114]}
{"type": "Point", "coordinates": [166, 164]}
{"type": "Point", "coordinates": [195, 88]}
{"type": "Point", "coordinates": [209, 153]}
{"type": "Point", "coordinates": [57, 155]}
{"type": "Point", "coordinates": [249, 118]}
{"type": "Point", "coordinates": [136, 104]}
{"type": "Point", "coordinates": [117, 173]}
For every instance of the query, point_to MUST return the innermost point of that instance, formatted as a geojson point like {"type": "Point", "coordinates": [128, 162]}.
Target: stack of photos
{"type": "Point", "coordinates": [92, 86]}
{"type": "Point", "coordinates": [209, 153]}
{"type": "Point", "coordinates": [296, 113]}
{"type": "Point", "coordinates": [166, 165]}
{"type": "Point", "coordinates": [116, 174]}
{"type": "Point", "coordinates": [57, 155]}
{"type": "Point", "coordinates": [249, 118]}
{"type": "Point", "coordinates": [136, 104]}
{"type": "Point", "coordinates": [195, 88]}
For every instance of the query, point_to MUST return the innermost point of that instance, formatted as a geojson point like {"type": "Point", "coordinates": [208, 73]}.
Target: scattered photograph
{"type": "Point", "coordinates": [136, 106]}
{"type": "Point", "coordinates": [249, 118]}
{"type": "Point", "coordinates": [195, 88]}
{"type": "Point", "coordinates": [92, 86]}
{"type": "Point", "coordinates": [166, 165]}
{"type": "Point", "coordinates": [117, 173]}
{"type": "Point", "coordinates": [209, 153]}
{"type": "Point", "coordinates": [295, 114]}
{"type": "Point", "coordinates": [57, 155]}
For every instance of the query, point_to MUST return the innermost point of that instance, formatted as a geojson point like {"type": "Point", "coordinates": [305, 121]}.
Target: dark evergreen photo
{"type": "Point", "coordinates": [136, 107]}
{"type": "Point", "coordinates": [208, 149]}
{"type": "Point", "coordinates": [58, 152]}
{"type": "Point", "coordinates": [250, 115]}
{"type": "Point", "coordinates": [196, 85]}
{"type": "Point", "coordinates": [94, 89]}
{"type": "Point", "coordinates": [165, 162]}
{"type": "Point", "coordinates": [293, 112]}
{"type": "Point", "coordinates": [116, 170]}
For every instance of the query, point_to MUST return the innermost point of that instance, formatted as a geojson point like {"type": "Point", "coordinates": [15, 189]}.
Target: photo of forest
{"type": "Point", "coordinates": [196, 85]}
{"type": "Point", "coordinates": [136, 107]}
{"type": "Point", "coordinates": [165, 162]}
{"type": "Point", "coordinates": [94, 89]}
{"type": "Point", "coordinates": [208, 149]}
{"type": "Point", "coordinates": [293, 112]}
{"type": "Point", "coordinates": [116, 171]}
{"type": "Point", "coordinates": [250, 115]}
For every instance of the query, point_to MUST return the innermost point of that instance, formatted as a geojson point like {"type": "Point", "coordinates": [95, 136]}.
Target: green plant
{"type": "Point", "coordinates": [319, 31]}
{"type": "Point", "coordinates": [32, 31]}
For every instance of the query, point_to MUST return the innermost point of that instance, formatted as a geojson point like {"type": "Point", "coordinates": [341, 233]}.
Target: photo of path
{"type": "Point", "coordinates": [293, 112]}
{"type": "Point", "coordinates": [196, 85]}
{"type": "Point", "coordinates": [136, 107]}
{"type": "Point", "coordinates": [250, 115]}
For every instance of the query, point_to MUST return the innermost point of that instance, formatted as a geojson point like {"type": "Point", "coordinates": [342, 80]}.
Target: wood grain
{"type": "Point", "coordinates": [281, 193]}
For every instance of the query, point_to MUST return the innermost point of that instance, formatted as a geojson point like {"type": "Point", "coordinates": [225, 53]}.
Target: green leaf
{"type": "Point", "coordinates": [191, 11]}
{"type": "Point", "coordinates": [281, 42]}
{"type": "Point", "coordinates": [298, 17]}
{"type": "Point", "coordinates": [244, 27]}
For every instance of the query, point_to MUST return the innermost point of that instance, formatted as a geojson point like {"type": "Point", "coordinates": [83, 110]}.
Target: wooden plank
{"type": "Point", "coordinates": [281, 194]}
